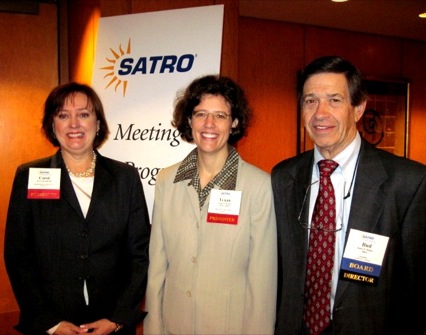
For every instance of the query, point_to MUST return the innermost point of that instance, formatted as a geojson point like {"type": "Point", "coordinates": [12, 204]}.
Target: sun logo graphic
{"type": "Point", "coordinates": [111, 74]}
{"type": "Point", "coordinates": [124, 65]}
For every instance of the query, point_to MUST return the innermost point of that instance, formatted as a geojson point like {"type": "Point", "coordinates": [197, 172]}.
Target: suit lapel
{"type": "Point", "coordinates": [302, 182]}
{"type": "Point", "coordinates": [103, 184]}
{"type": "Point", "coordinates": [368, 198]}
{"type": "Point", "coordinates": [294, 193]}
{"type": "Point", "coordinates": [67, 190]}
{"type": "Point", "coordinates": [101, 187]}
{"type": "Point", "coordinates": [368, 192]}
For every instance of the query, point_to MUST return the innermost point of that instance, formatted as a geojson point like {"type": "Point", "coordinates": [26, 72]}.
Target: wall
{"type": "Point", "coordinates": [414, 68]}
{"type": "Point", "coordinates": [268, 72]}
{"type": "Point", "coordinates": [264, 56]}
{"type": "Point", "coordinates": [28, 71]}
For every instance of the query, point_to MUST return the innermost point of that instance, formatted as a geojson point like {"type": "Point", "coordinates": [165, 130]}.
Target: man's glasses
{"type": "Point", "coordinates": [306, 225]}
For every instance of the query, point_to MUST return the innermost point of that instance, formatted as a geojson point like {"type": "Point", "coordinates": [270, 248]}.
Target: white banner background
{"type": "Point", "coordinates": [141, 62]}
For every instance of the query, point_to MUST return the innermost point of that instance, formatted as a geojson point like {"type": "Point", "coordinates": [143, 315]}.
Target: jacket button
{"type": "Point", "coordinates": [188, 294]}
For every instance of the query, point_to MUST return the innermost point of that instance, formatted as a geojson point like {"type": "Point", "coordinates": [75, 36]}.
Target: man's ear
{"type": "Point", "coordinates": [359, 110]}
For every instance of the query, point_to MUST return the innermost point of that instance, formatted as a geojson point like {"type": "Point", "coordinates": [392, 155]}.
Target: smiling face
{"type": "Point", "coordinates": [75, 125]}
{"type": "Point", "coordinates": [211, 133]}
{"type": "Point", "coordinates": [327, 113]}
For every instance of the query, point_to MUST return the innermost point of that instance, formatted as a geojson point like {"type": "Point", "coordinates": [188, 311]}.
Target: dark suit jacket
{"type": "Point", "coordinates": [50, 248]}
{"type": "Point", "coordinates": [389, 198]}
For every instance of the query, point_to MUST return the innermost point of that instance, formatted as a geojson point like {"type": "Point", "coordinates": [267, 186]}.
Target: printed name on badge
{"type": "Point", "coordinates": [224, 206]}
{"type": "Point", "coordinates": [44, 183]}
{"type": "Point", "coordinates": [363, 257]}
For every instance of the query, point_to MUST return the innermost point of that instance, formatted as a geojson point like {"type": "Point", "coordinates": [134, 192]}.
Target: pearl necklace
{"type": "Point", "coordinates": [86, 173]}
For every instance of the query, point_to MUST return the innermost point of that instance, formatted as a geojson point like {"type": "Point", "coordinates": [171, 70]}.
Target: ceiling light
{"type": "Point", "coordinates": [423, 15]}
{"type": "Point", "coordinates": [339, 0]}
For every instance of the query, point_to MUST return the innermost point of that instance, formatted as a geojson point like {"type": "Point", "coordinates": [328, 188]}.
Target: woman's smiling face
{"type": "Point", "coordinates": [211, 131]}
{"type": "Point", "coordinates": [75, 125]}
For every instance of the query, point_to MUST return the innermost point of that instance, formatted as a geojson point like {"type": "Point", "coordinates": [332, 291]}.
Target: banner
{"type": "Point", "coordinates": [141, 62]}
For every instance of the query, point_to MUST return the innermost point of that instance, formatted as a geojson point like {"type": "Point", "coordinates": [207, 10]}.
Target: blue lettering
{"type": "Point", "coordinates": [168, 63]}
{"type": "Point", "coordinates": [189, 62]}
{"type": "Point", "coordinates": [125, 64]}
{"type": "Point", "coordinates": [140, 66]}
{"type": "Point", "coordinates": [154, 60]}
{"type": "Point", "coordinates": [159, 64]}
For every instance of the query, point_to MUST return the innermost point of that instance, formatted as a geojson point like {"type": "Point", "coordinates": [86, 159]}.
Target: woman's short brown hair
{"type": "Point", "coordinates": [55, 102]}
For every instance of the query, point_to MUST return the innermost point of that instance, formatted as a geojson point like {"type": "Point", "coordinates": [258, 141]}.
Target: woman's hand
{"type": "Point", "coordinates": [100, 327]}
{"type": "Point", "coordinates": [68, 328]}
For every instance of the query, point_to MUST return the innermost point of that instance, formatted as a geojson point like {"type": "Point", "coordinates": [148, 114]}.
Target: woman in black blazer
{"type": "Point", "coordinates": [77, 231]}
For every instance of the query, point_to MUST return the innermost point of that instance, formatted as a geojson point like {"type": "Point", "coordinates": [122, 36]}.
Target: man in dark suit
{"type": "Point", "coordinates": [378, 278]}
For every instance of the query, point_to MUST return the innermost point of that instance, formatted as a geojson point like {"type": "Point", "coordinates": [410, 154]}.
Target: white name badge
{"type": "Point", "coordinates": [363, 257]}
{"type": "Point", "coordinates": [44, 183]}
{"type": "Point", "coordinates": [224, 206]}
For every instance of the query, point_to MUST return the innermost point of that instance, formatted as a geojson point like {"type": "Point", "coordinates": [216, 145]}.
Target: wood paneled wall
{"type": "Point", "coordinates": [28, 71]}
{"type": "Point", "coordinates": [268, 70]}
{"type": "Point", "coordinates": [264, 56]}
{"type": "Point", "coordinates": [414, 69]}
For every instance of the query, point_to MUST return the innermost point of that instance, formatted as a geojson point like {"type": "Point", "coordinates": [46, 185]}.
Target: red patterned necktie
{"type": "Point", "coordinates": [319, 269]}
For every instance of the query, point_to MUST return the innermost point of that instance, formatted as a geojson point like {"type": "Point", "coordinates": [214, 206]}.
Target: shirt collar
{"type": "Point", "coordinates": [347, 159]}
{"type": "Point", "coordinates": [225, 179]}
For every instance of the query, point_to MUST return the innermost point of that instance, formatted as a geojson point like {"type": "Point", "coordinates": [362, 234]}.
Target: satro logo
{"type": "Point", "coordinates": [123, 66]}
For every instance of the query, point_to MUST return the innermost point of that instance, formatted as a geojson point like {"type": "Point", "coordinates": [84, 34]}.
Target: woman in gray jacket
{"type": "Point", "coordinates": [213, 251]}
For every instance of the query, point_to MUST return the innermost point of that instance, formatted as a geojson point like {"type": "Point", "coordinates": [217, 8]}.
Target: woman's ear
{"type": "Point", "coordinates": [234, 123]}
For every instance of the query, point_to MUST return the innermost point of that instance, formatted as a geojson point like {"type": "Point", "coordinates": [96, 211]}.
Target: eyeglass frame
{"type": "Point", "coordinates": [217, 116]}
{"type": "Point", "coordinates": [309, 226]}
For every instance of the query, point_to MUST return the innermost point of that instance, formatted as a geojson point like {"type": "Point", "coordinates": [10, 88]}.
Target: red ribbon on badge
{"type": "Point", "coordinates": [43, 194]}
{"type": "Point", "coordinates": [222, 218]}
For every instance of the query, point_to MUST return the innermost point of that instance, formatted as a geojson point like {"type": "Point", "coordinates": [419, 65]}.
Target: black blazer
{"type": "Point", "coordinates": [50, 248]}
{"type": "Point", "coordinates": [389, 198]}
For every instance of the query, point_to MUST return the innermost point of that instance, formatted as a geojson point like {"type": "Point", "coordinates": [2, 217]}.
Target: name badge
{"type": "Point", "coordinates": [44, 183]}
{"type": "Point", "coordinates": [363, 257]}
{"type": "Point", "coordinates": [224, 206]}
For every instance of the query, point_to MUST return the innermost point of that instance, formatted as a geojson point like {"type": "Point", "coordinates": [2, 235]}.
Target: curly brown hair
{"type": "Point", "coordinates": [217, 85]}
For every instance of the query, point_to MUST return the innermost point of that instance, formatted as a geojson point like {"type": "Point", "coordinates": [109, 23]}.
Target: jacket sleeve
{"type": "Point", "coordinates": [413, 234]}
{"type": "Point", "coordinates": [128, 309]}
{"type": "Point", "coordinates": [259, 317]}
{"type": "Point", "coordinates": [20, 260]}
{"type": "Point", "coordinates": [153, 323]}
